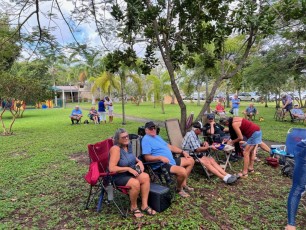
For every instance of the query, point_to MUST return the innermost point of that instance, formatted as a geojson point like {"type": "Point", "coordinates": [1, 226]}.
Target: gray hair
{"type": "Point", "coordinates": [117, 135]}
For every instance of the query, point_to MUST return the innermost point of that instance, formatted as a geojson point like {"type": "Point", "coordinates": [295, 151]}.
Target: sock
{"type": "Point", "coordinates": [226, 177]}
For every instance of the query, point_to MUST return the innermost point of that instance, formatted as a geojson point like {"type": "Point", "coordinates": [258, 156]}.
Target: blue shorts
{"type": "Point", "coordinates": [255, 139]}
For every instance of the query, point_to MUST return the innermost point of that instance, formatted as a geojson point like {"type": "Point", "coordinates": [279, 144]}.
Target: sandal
{"type": "Point", "coordinates": [148, 210]}
{"type": "Point", "coordinates": [189, 189]}
{"type": "Point", "coordinates": [243, 175]}
{"type": "Point", "coordinates": [251, 170]}
{"type": "Point", "coordinates": [182, 193]}
{"type": "Point", "coordinates": [137, 213]}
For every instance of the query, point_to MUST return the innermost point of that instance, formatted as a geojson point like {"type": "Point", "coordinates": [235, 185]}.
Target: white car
{"type": "Point", "coordinates": [248, 97]}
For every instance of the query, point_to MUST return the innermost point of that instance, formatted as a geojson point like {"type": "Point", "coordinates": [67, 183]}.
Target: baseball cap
{"type": "Point", "coordinates": [210, 116]}
{"type": "Point", "coordinates": [197, 125]}
{"type": "Point", "coordinates": [149, 124]}
{"type": "Point", "coordinates": [296, 104]}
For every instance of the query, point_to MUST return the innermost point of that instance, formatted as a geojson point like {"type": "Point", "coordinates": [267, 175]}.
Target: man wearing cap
{"type": "Point", "coordinates": [297, 112]}
{"type": "Point", "coordinates": [250, 112]}
{"type": "Point", "coordinates": [154, 148]}
{"type": "Point", "coordinates": [217, 131]}
{"type": "Point", "coordinates": [76, 115]}
{"type": "Point", "coordinates": [192, 143]}
{"type": "Point", "coordinates": [287, 102]}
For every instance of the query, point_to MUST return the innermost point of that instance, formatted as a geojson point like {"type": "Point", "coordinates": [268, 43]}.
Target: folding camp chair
{"type": "Point", "coordinates": [294, 135]}
{"type": "Point", "coordinates": [294, 118]}
{"type": "Point", "coordinates": [99, 153]}
{"type": "Point", "coordinates": [175, 137]}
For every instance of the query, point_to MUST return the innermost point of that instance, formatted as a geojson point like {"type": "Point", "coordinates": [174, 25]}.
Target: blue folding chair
{"type": "Point", "coordinates": [294, 135]}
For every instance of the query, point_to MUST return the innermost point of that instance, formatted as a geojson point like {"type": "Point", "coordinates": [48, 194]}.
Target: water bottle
{"type": "Point", "coordinates": [110, 191]}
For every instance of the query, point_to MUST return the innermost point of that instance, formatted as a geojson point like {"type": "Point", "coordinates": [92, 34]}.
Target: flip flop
{"type": "Point", "coordinates": [148, 210]}
{"type": "Point", "coordinates": [182, 193]}
{"type": "Point", "coordinates": [251, 170]}
{"type": "Point", "coordinates": [137, 213]}
{"type": "Point", "coordinates": [243, 175]}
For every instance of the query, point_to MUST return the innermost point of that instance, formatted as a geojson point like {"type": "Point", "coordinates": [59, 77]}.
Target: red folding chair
{"type": "Point", "coordinates": [99, 153]}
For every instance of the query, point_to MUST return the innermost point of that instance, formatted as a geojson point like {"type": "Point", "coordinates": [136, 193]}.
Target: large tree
{"type": "Point", "coordinates": [180, 29]}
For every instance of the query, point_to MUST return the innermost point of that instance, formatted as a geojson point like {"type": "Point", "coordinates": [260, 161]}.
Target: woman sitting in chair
{"type": "Point", "coordinates": [130, 173]}
{"type": "Point", "coordinates": [94, 115]}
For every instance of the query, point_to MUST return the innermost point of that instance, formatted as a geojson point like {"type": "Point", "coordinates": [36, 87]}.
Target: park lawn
{"type": "Point", "coordinates": [42, 187]}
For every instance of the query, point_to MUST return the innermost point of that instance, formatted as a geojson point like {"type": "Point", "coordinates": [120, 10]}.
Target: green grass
{"type": "Point", "coordinates": [42, 187]}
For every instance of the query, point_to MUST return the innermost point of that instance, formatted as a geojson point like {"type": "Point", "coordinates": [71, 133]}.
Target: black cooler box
{"type": "Point", "coordinates": [159, 197]}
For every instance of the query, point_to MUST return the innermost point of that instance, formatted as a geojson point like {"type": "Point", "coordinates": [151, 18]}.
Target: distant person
{"type": "Point", "coordinates": [76, 115]}
{"type": "Point", "coordinates": [287, 103]}
{"type": "Point", "coordinates": [297, 112]}
{"type": "Point", "coordinates": [94, 115]}
{"type": "Point", "coordinates": [250, 112]}
{"type": "Point", "coordinates": [102, 110]}
{"type": "Point", "coordinates": [220, 109]}
{"type": "Point", "coordinates": [298, 184]}
{"type": "Point", "coordinates": [110, 108]}
{"type": "Point", "coordinates": [235, 105]}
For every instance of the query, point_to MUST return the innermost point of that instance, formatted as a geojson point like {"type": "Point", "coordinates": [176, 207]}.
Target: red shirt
{"type": "Point", "coordinates": [248, 128]}
{"type": "Point", "coordinates": [219, 108]}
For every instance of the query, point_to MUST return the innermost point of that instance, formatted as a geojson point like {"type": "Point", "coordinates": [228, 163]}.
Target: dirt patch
{"type": "Point", "coordinates": [80, 158]}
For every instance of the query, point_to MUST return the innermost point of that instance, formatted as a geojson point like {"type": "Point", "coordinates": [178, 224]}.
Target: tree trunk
{"type": "Point", "coordinates": [122, 100]}
{"type": "Point", "coordinates": [163, 105]}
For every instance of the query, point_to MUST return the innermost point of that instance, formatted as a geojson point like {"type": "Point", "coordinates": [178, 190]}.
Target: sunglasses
{"type": "Point", "coordinates": [152, 128]}
{"type": "Point", "coordinates": [125, 137]}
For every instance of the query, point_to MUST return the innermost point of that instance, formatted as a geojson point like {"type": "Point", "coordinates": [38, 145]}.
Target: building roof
{"type": "Point", "coordinates": [65, 88]}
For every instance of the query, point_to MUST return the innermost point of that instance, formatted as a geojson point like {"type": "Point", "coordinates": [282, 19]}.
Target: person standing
{"type": "Point", "coordinates": [101, 110]}
{"type": "Point", "coordinates": [298, 184]}
{"type": "Point", "coordinates": [235, 105]}
{"type": "Point", "coordinates": [287, 103]}
{"type": "Point", "coordinates": [110, 108]}
{"type": "Point", "coordinates": [238, 128]}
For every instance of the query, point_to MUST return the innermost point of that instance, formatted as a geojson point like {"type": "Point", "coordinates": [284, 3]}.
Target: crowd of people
{"type": "Point", "coordinates": [231, 132]}
{"type": "Point", "coordinates": [97, 116]}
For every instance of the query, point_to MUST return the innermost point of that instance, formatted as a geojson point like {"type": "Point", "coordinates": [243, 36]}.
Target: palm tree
{"type": "Point", "coordinates": [160, 87]}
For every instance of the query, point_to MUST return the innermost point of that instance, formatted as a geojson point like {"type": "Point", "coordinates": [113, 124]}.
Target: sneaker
{"type": "Point", "coordinates": [231, 179]}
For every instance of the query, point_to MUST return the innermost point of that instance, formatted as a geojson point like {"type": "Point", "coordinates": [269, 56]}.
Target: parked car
{"type": "Point", "coordinates": [248, 97]}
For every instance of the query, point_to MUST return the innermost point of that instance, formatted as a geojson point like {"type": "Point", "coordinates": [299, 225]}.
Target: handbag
{"type": "Point", "coordinates": [231, 111]}
{"type": "Point", "coordinates": [272, 161]}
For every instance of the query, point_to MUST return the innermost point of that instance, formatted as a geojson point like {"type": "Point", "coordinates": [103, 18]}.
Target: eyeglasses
{"type": "Point", "coordinates": [125, 137]}
{"type": "Point", "coordinates": [152, 128]}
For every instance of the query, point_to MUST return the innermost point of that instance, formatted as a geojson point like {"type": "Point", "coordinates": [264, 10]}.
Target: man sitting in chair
{"type": "Point", "coordinates": [154, 148]}
{"type": "Point", "coordinates": [250, 112]}
{"type": "Point", "coordinates": [192, 143]}
{"type": "Point", "coordinates": [297, 112]}
{"type": "Point", "coordinates": [76, 115]}
{"type": "Point", "coordinates": [215, 130]}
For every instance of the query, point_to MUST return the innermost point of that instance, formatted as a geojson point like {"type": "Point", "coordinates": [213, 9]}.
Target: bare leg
{"type": "Point", "coordinates": [213, 168]}
{"type": "Point", "coordinates": [252, 158]}
{"type": "Point", "coordinates": [181, 176]}
{"type": "Point", "coordinates": [246, 158]}
{"type": "Point", "coordinates": [133, 193]}
{"type": "Point", "coordinates": [188, 164]}
{"type": "Point", "coordinates": [144, 181]}
{"type": "Point", "coordinates": [264, 147]}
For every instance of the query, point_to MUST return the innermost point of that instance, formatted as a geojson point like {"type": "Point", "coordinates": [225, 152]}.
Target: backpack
{"type": "Point", "coordinates": [288, 168]}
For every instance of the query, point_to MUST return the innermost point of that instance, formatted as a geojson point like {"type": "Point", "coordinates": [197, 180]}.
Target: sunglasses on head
{"type": "Point", "coordinates": [152, 128]}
